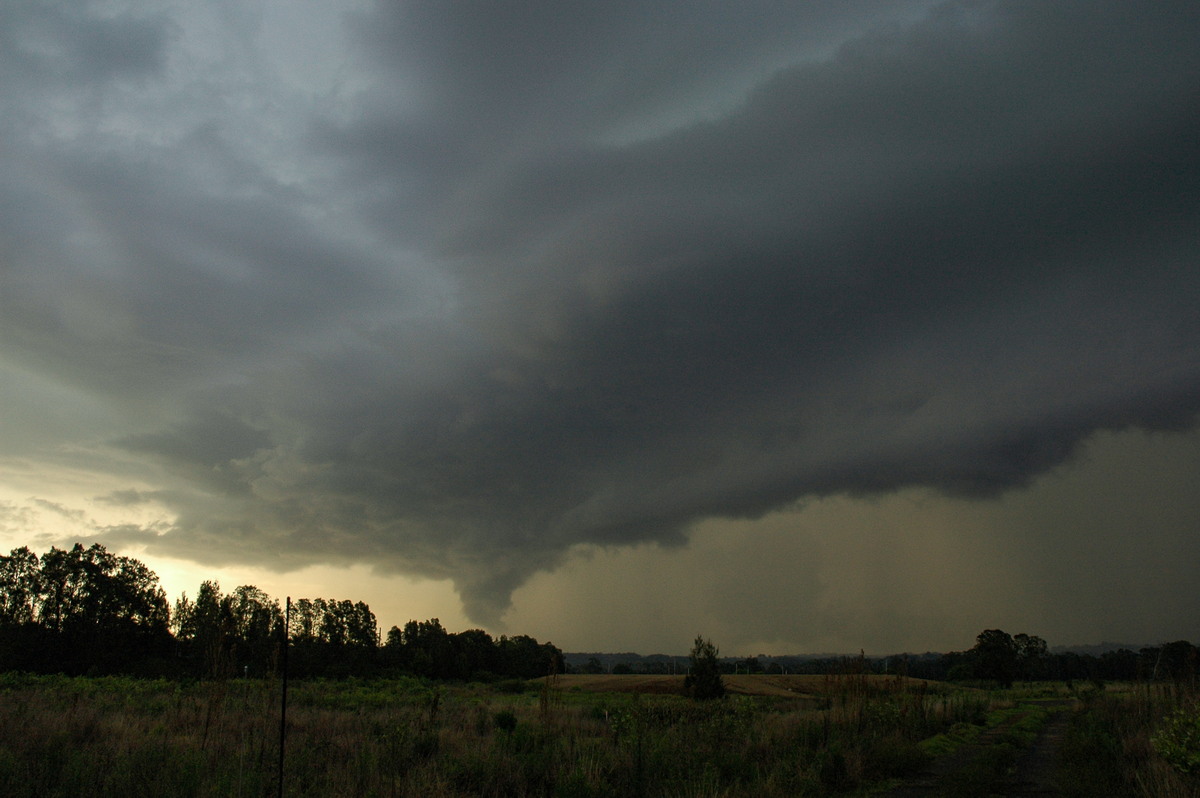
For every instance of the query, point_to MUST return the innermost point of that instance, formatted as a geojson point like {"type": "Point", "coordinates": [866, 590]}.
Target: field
{"type": "Point", "coordinates": [757, 684]}
{"type": "Point", "coordinates": [574, 736]}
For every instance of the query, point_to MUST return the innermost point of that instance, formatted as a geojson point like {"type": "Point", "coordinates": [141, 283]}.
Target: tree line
{"type": "Point", "coordinates": [88, 611]}
{"type": "Point", "coordinates": [1003, 659]}
{"type": "Point", "coordinates": [997, 657]}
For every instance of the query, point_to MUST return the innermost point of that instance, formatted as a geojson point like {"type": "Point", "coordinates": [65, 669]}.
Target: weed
{"type": "Point", "coordinates": [1178, 740]}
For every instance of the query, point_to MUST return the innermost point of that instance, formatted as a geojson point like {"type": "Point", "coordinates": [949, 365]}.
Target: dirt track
{"type": "Point", "coordinates": [983, 768]}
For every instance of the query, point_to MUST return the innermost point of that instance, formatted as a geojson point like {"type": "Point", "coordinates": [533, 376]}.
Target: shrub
{"type": "Point", "coordinates": [505, 721]}
{"type": "Point", "coordinates": [511, 686]}
{"type": "Point", "coordinates": [1178, 740]}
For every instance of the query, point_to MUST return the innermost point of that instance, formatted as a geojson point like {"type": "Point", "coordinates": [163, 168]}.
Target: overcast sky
{"type": "Point", "coordinates": [808, 327]}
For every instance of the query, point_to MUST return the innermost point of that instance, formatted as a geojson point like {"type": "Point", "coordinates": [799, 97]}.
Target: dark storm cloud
{"type": "Point", "coordinates": [562, 276]}
{"type": "Point", "coordinates": [71, 44]}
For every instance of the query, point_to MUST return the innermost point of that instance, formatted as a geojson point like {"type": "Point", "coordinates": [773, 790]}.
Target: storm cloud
{"type": "Point", "coordinates": [457, 289]}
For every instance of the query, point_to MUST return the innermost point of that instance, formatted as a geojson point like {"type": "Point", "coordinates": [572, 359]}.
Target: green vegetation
{"type": "Point", "coordinates": [847, 734]}
{"type": "Point", "coordinates": [119, 736]}
{"type": "Point", "coordinates": [1137, 741]}
{"type": "Point", "coordinates": [841, 733]}
{"type": "Point", "coordinates": [1178, 739]}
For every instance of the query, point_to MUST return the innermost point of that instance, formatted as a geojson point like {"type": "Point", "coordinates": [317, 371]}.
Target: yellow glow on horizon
{"type": "Point", "coordinates": [394, 599]}
{"type": "Point", "coordinates": [65, 511]}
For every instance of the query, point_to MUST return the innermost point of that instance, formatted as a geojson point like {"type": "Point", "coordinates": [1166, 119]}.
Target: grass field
{"type": "Point", "coordinates": [756, 684]}
{"type": "Point", "coordinates": [570, 736]}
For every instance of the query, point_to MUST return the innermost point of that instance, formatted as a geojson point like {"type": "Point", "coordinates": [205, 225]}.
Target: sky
{"type": "Point", "coordinates": [806, 327]}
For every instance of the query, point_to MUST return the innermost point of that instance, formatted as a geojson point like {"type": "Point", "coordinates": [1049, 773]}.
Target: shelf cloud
{"type": "Point", "coordinates": [457, 290]}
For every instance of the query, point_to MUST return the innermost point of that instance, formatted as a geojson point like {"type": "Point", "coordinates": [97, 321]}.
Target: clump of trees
{"type": "Point", "coordinates": [88, 611]}
{"type": "Point", "coordinates": [82, 609]}
{"type": "Point", "coordinates": [1004, 659]}
{"type": "Point", "coordinates": [425, 648]}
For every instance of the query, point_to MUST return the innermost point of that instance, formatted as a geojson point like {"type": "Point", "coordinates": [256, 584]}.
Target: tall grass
{"type": "Point", "coordinates": [107, 737]}
{"type": "Point", "coordinates": [1109, 748]}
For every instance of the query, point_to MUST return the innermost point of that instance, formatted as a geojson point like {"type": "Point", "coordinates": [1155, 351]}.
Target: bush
{"type": "Point", "coordinates": [505, 721]}
{"type": "Point", "coordinates": [1178, 740]}
{"type": "Point", "coordinates": [511, 686]}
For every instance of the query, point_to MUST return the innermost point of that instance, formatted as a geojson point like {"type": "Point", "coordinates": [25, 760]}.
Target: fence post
{"type": "Point", "coordinates": [287, 622]}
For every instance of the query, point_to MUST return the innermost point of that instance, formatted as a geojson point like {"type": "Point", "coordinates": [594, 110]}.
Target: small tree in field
{"type": "Point", "coordinates": [704, 679]}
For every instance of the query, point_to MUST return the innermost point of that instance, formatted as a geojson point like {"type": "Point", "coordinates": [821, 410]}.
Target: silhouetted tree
{"type": "Point", "coordinates": [1031, 656]}
{"type": "Point", "coordinates": [362, 631]}
{"type": "Point", "coordinates": [1175, 661]}
{"type": "Point", "coordinates": [995, 655]}
{"type": "Point", "coordinates": [305, 621]}
{"type": "Point", "coordinates": [20, 587]}
{"type": "Point", "coordinates": [427, 649]}
{"type": "Point", "coordinates": [525, 658]}
{"type": "Point", "coordinates": [476, 655]}
{"type": "Point", "coordinates": [704, 678]}
{"type": "Point", "coordinates": [78, 610]}
{"type": "Point", "coordinates": [1121, 665]}
{"type": "Point", "coordinates": [255, 620]}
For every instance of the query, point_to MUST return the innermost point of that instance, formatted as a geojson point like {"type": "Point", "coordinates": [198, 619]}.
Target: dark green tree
{"type": "Point", "coordinates": [255, 622]}
{"type": "Point", "coordinates": [523, 657]}
{"type": "Point", "coordinates": [20, 587]}
{"type": "Point", "coordinates": [205, 630]}
{"type": "Point", "coordinates": [995, 656]}
{"type": "Point", "coordinates": [476, 654]}
{"type": "Point", "coordinates": [1031, 656]}
{"type": "Point", "coordinates": [304, 622]}
{"type": "Point", "coordinates": [362, 630]}
{"type": "Point", "coordinates": [704, 677]}
{"type": "Point", "coordinates": [79, 610]}
{"type": "Point", "coordinates": [427, 649]}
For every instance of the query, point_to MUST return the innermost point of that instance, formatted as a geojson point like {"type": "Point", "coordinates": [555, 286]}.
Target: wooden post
{"type": "Point", "coordinates": [287, 622]}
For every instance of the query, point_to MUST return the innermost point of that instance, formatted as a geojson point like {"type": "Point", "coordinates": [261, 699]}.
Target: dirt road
{"type": "Point", "coordinates": [990, 766]}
